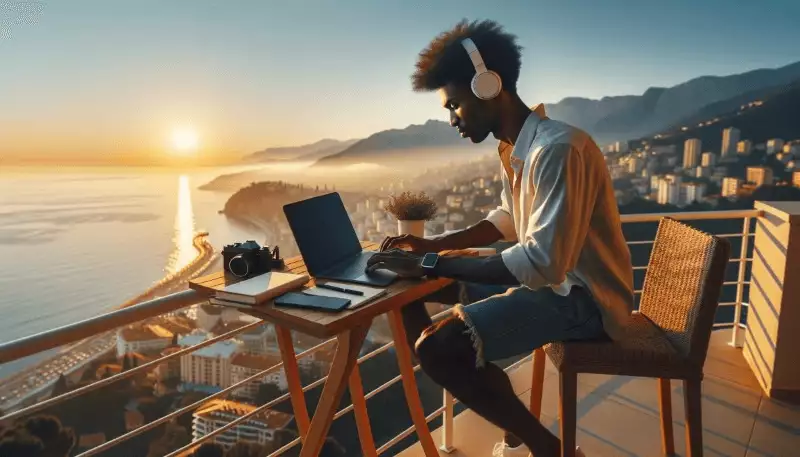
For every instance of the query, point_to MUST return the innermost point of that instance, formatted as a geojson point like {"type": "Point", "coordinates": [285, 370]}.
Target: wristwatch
{"type": "Point", "coordinates": [428, 264]}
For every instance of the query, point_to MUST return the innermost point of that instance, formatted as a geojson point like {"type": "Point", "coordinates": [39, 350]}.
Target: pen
{"type": "Point", "coordinates": [340, 289]}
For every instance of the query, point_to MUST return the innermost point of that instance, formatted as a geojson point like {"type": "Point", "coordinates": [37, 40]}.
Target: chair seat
{"type": "Point", "coordinates": [643, 351]}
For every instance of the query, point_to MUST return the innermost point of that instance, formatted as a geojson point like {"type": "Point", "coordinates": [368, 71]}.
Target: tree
{"type": "Point", "coordinates": [126, 363]}
{"type": "Point", "coordinates": [248, 450]}
{"type": "Point", "coordinates": [267, 392]}
{"type": "Point", "coordinates": [173, 438]}
{"type": "Point", "coordinates": [209, 450]}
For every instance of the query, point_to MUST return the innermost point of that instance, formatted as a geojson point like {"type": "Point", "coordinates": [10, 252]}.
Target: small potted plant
{"type": "Point", "coordinates": [411, 211]}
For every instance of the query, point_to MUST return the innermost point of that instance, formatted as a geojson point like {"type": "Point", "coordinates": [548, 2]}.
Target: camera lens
{"type": "Point", "coordinates": [239, 266]}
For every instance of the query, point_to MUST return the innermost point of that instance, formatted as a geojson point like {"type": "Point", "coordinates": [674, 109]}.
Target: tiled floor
{"type": "Point", "coordinates": [618, 416]}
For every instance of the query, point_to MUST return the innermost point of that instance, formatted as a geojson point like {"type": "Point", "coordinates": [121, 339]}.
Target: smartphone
{"type": "Point", "coordinates": [309, 301]}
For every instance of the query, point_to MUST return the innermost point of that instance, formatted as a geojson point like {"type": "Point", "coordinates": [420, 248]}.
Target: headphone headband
{"type": "Point", "coordinates": [474, 55]}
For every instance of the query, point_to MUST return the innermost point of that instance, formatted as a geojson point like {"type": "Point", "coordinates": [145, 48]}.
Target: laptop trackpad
{"type": "Point", "coordinates": [377, 277]}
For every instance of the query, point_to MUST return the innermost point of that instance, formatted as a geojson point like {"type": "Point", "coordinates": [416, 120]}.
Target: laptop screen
{"type": "Point", "coordinates": [322, 230]}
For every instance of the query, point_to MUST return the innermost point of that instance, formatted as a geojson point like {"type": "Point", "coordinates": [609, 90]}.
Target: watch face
{"type": "Point", "coordinates": [429, 261]}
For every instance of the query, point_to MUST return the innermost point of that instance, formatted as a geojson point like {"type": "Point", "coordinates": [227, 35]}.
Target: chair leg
{"type": "Point", "coordinates": [692, 398]}
{"type": "Point", "coordinates": [568, 406]}
{"type": "Point", "coordinates": [665, 405]}
{"type": "Point", "coordinates": [537, 383]}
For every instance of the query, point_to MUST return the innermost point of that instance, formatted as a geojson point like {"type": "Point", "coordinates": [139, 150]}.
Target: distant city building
{"type": "Point", "coordinates": [744, 147]}
{"type": "Point", "coordinates": [669, 190]}
{"type": "Point", "coordinates": [244, 366]}
{"type": "Point", "coordinates": [142, 338]}
{"type": "Point", "coordinates": [792, 149]}
{"type": "Point", "coordinates": [774, 145]}
{"type": "Point", "coordinates": [709, 159]}
{"type": "Point", "coordinates": [691, 152]}
{"type": "Point", "coordinates": [257, 429]}
{"type": "Point", "coordinates": [759, 176]}
{"type": "Point", "coordinates": [730, 139]}
{"type": "Point", "coordinates": [668, 149]}
{"type": "Point", "coordinates": [209, 366]}
{"type": "Point", "coordinates": [702, 172]}
{"type": "Point", "coordinates": [796, 179]}
{"type": "Point", "coordinates": [730, 186]}
{"type": "Point", "coordinates": [171, 369]}
{"type": "Point", "coordinates": [695, 192]}
{"type": "Point", "coordinates": [635, 165]}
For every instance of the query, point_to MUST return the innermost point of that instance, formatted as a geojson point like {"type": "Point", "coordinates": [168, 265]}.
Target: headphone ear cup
{"type": "Point", "coordinates": [486, 85]}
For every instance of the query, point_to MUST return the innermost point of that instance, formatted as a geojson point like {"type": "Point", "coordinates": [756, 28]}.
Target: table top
{"type": "Point", "coordinates": [323, 324]}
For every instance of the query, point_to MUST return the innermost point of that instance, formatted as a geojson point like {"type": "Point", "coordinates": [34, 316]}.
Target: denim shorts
{"type": "Point", "coordinates": [508, 321]}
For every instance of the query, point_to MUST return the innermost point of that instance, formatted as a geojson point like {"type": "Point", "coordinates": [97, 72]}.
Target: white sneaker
{"type": "Point", "coordinates": [501, 449]}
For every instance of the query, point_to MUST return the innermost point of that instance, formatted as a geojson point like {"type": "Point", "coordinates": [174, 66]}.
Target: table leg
{"type": "Point", "coordinates": [292, 372]}
{"type": "Point", "coordinates": [349, 345]}
{"type": "Point", "coordinates": [360, 412]}
{"type": "Point", "coordinates": [410, 384]}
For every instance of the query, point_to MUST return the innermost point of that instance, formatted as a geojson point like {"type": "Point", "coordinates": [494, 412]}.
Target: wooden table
{"type": "Point", "coordinates": [350, 329]}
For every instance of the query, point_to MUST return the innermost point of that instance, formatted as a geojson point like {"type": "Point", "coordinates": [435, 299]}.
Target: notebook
{"type": "Point", "coordinates": [261, 288]}
{"type": "Point", "coordinates": [370, 293]}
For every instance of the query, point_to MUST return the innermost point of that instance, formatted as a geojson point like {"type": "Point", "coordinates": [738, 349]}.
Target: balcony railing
{"type": "Point", "coordinates": [69, 334]}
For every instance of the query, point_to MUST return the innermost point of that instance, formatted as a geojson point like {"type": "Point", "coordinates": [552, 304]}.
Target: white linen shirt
{"type": "Point", "coordinates": [558, 204]}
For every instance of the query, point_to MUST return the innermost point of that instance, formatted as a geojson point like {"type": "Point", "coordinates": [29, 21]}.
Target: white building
{"type": "Point", "coordinates": [691, 152]}
{"type": "Point", "coordinates": [258, 429]}
{"type": "Point", "coordinates": [208, 366]}
{"type": "Point", "coordinates": [730, 186]}
{"type": "Point", "coordinates": [142, 338]}
{"type": "Point", "coordinates": [759, 176]}
{"type": "Point", "coordinates": [774, 145]}
{"type": "Point", "coordinates": [669, 190]}
{"type": "Point", "coordinates": [244, 366]}
{"type": "Point", "coordinates": [744, 147]}
{"type": "Point", "coordinates": [709, 159]}
{"type": "Point", "coordinates": [702, 172]}
{"type": "Point", "coordinates": [635, 165]}
{"type": "Point", "coordinates": [730, 139]}
{"type": "Point", "coordinates": [695, 192]}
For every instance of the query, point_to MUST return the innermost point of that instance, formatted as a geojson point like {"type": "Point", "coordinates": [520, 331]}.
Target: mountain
{"type": "Point", "coordinates": [775, 117]}
{"type": "Point", "coordinates": [620, 118]}
{"type": "Point", "coordinates": [310, 152]}
{"type": "Point", "coordinates": [396, 145]}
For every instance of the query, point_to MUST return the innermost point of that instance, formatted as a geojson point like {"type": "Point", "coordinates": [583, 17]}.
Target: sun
{"type": "Point", "coordinates": [184, 140]}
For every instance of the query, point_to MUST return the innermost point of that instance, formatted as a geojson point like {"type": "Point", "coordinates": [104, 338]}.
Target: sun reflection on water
{"type": "Point", "coordinates": [184, 231]}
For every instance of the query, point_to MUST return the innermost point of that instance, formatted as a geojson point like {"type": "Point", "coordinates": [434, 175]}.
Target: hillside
{"type": "Point", "coordinates": [776, 117]}
{"type": "Point", "coordinates": [613, 118]}
{"type": "Point", "coordinates": [307, 152]}
{"type": "Point", "coordinates": [434, 139]}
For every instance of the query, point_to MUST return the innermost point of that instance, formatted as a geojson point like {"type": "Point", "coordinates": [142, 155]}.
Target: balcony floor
{"type": "Point", "coordinates": [618, 416]}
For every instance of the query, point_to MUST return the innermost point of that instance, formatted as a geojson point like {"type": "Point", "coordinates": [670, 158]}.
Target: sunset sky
{"type": "Point", "coordinates": [94, 78]}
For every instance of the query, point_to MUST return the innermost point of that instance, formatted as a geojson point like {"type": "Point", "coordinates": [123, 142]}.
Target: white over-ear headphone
{"type": "Point", "coordinates": [486, 84]}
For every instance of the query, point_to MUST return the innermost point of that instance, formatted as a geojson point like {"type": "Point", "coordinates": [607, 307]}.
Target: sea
{"type": "Point", "coordinates": [75, 243]}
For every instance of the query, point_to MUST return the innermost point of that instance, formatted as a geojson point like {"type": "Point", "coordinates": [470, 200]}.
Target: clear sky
{"type": "Point", "coordinates": [113, 77]}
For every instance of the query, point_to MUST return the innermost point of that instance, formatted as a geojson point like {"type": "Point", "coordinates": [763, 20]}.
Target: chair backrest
{"type": "Point", "coordinates": [683, 284]}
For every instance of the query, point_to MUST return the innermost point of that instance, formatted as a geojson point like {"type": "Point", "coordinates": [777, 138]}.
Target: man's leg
{"type": "Point", "coordinates": [455, 352]}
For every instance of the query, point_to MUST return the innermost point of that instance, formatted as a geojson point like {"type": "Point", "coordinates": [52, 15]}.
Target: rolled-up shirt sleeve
{"type": "Point", "coordinates": [502, 219]}
{"type": "Point", "coordinates": [564, 189]}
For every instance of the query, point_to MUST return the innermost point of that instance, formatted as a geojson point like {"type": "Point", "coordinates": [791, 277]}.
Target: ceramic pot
{"type": "Point", "coordinates": [416, 228]}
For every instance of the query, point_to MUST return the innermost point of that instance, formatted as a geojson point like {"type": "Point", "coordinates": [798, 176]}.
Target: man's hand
{"type": "Point", "coordinates": [413, 243]}
{"type": "Point", "coordinates": [405, 264]}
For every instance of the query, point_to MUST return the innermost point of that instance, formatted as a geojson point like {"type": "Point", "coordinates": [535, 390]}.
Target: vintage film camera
{"type": "Point", "coordinates": [248, 259]}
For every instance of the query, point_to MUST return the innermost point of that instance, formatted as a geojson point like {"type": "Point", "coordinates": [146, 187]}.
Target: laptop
{"type": "Point", "coordinates": [328, 242]}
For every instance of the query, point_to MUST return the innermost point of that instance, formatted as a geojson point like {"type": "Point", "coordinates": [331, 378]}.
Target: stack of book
{"type": "Point", "coordinates": [256, 290]}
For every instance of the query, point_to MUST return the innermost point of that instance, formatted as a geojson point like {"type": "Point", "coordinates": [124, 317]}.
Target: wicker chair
{"type": "Point", "coordinates": [667, 339]}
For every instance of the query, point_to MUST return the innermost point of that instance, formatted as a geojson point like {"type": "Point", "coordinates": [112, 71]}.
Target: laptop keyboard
{"type": "Point", "coordinates": [354, 269]}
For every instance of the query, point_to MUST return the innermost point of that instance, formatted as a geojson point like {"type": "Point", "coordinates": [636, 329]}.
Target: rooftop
{"type": "Point", "coordinates": [619, 416]}
{"type": "Point", "coordinates": [220, 349]}
{"type": "Point", "coordinates": [144, 333]}
{"type": "Point", "coordinates": [254, 361]}
{"type": "Point", "coordinates": [271, 418]}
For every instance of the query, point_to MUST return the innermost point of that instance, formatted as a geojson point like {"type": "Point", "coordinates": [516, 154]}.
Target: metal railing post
{"type": "Point", "coordinates": [737, 315]}
{"type": "Point", "coordinates": [447, 422]}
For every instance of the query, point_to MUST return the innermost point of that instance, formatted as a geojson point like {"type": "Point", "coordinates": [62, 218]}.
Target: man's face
{"type": "Point", "coordinates": [473, 117]}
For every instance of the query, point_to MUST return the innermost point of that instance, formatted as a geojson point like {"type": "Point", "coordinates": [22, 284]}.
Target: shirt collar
{"type": "Point", "coordinates": [531, 123]}
{"type": "Point", "coordinates": [528, 132]}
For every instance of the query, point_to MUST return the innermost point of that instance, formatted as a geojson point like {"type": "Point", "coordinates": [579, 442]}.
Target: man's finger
{"type": "Point", "coordinates": [386, 242]}
{"type": "Point", "coordinates": [394, 241]}
{"type": "Point", "coordinates": [376, 258]}
{"type": "Point", "coordinates": [375, 266]}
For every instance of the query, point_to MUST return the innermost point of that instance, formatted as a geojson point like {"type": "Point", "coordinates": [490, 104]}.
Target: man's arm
{"type": "Point", "coordinates": [483, 270]}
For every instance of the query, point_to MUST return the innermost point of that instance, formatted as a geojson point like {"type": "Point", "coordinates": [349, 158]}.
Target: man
{"type": "Point", "coordinates": [567, 277]}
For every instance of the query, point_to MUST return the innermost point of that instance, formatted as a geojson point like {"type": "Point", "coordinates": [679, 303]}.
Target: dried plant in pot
{"type": "Point", "coordinates": [411, 211]}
